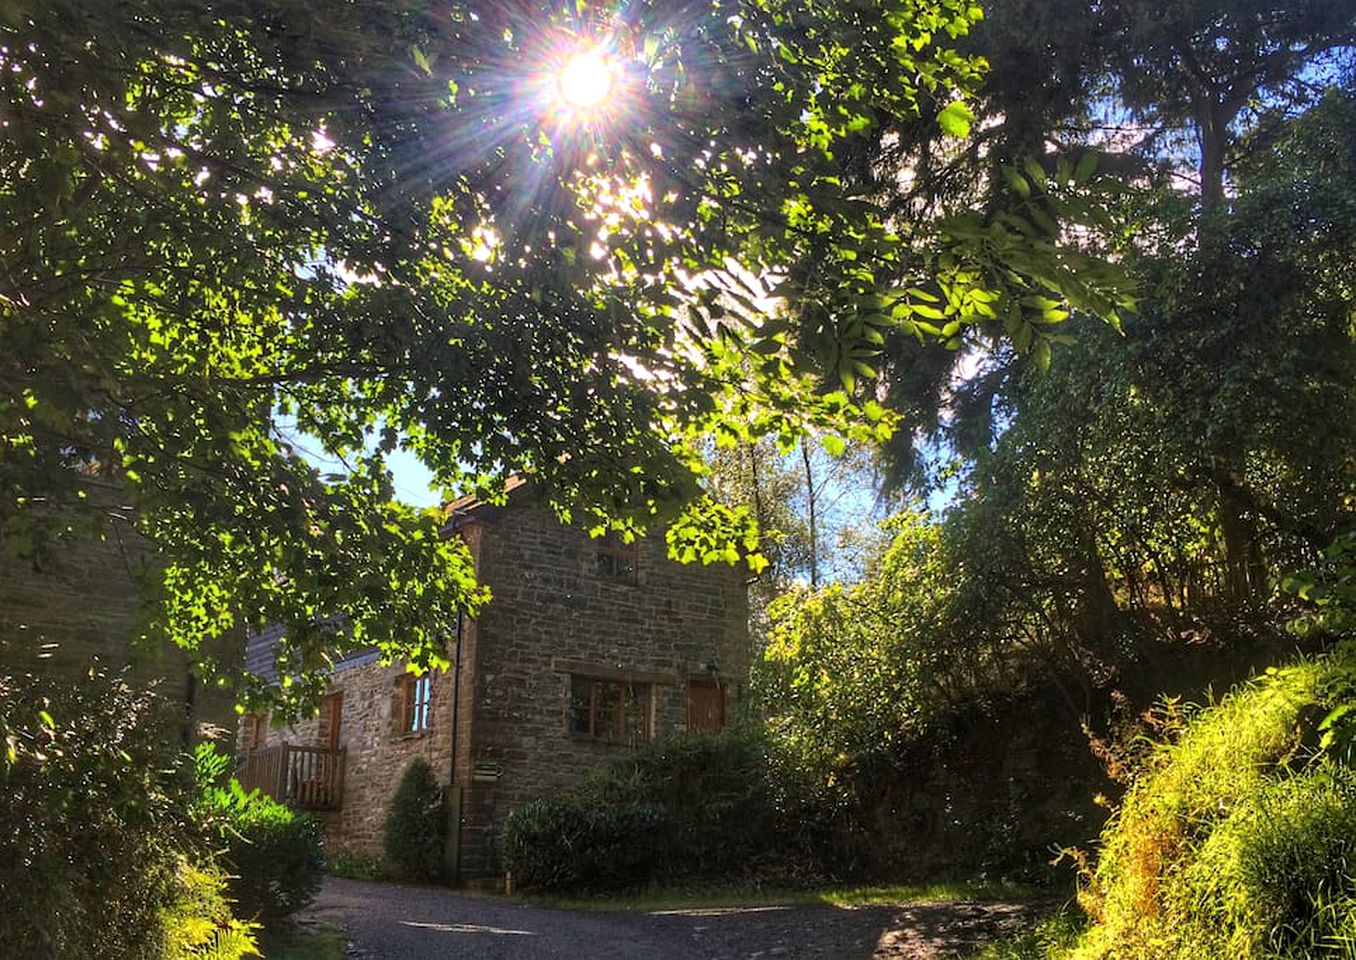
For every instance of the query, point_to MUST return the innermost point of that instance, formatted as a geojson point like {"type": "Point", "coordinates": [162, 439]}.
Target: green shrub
{"type": "Point", "coordinates": [356, 866]}
{"type": "Point", "coordinates": [714, 791]}
{"type": "Point", "coordinates": [1038, 941]}
{"type": "Point", "coordinates": [691, 809]}
{"type": "Point", "coordinates": [92, 816]}
{"type": "Point", "coordinates": [100, 856]}
{"type": "Point", "coordinates": [415, 825]}
{"type": "Point", "coordinates": [1239, 840]}
{"type": "Point", "coordinates": [575, 843]}
{"type": "Point", "coordinates": [198, 923]}
{"type": "Point", "coordinates": [275, 858]}
{"type": "Point", "coordinates": [1275, 876]}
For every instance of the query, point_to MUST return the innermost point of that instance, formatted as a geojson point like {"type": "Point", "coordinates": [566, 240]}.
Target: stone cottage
{"type": "Point", "coordinates": [588, 647]}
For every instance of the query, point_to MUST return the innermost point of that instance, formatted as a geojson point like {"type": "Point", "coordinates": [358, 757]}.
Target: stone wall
{"type": "Point", "coordinates": [82, 600]}
{"type": "Point", "coordinates": [553, 614]}
{"type": "Point", "coordinates": [375, 752]}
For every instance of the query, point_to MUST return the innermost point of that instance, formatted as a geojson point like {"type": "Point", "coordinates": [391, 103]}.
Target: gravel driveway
{"type": "Point", "coordinates": [387, 922]}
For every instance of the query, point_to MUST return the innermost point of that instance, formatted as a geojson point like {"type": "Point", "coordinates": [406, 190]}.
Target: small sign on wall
{"type": "Point", "coordinates": [485, 771]}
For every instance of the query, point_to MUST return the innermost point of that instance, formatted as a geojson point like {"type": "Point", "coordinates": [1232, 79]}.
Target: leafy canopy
{"type": "Point", "coordinates": [231, 232]}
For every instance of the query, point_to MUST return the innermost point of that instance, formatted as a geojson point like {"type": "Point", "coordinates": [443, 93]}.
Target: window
{"type": "Point", "coordinates": [613, 710]}
{"type": "Point", "coordinates": [705, 705]}
{"type": "Point", "coordinates": [413, 703]}
{"type": "Point", "coordinates": [616, 559]}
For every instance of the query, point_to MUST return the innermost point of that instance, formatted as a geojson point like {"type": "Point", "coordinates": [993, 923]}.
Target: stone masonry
{"type": "Point", "coordinates": [82, 601]}
{"type": "Point", "coordinates": [555, 614]}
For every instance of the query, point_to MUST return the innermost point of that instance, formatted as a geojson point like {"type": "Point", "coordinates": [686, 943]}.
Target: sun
{"type": "Point", "coordinates": [586, 80]}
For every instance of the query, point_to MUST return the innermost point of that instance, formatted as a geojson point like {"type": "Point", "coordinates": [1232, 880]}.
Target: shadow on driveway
{"type": "Point", "coordinates": [389, 922]}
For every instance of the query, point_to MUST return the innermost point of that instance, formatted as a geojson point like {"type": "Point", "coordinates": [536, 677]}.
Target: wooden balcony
{"type": "Point", "coordinates": [304, 778]}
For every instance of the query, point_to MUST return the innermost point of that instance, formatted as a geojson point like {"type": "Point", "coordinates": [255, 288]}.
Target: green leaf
{"type": "Point", "coordinates": [956, 118]}
{"type": "Point", "coordinates": [1035, 171]}
{"type": "Point", "coordinates": [1018, 182]}
{"type": "Point", "coordinates": [1042, 354]}
{"type": "Point", "coordinates": [421, 59]}
{"type": "Point", "coordinates": [1087, 166]}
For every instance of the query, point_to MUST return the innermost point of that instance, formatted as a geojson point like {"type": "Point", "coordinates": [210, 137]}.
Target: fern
{"type": "Point", "coordinates": [230, 943]}
{"type": "Point", "coordinates": [199, 925]}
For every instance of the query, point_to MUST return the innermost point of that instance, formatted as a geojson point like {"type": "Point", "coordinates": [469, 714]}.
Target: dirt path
{"type": "Point", "coordinates": [386, 922]}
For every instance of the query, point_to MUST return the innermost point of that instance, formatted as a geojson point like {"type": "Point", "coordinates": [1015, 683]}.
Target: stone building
{"type": "Point", "coordinates": [588, 646]}
{"type": "Point", "coordinates": [80, 599]}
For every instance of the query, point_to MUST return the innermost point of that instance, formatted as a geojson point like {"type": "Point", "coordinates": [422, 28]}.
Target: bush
{"type": "Point", "coordinates": [96, 837]}
{"type": "Point", "coordinates": [1048, 937]}
{"type": "Point", "coordinates": [573, 843]}
{"type": "Point", "coordinates": [415, 825]}
{"type": "Point", "coordinates": [695, 809]}
{"type": "Point", "coordinates": [275, 858]}
{"type": "Point", "coordinates": [356, 866]}
{"type": "Point", "coordinates": [713, 790]}
{"type": "Point", "coordinates": [1238, 840]}
{"type": "Point", "coordinates": [1274, 879]}
{"type": "Point", "coordinates": [199, 925]}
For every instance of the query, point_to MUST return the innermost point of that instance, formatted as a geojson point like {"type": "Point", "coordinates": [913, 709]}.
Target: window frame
{"type": "Point", "coordinates": [414, 712]}
{"type": "Point", "coordinates": [615, 560]}
{"type": "Point", "coordinates": [617, 729]}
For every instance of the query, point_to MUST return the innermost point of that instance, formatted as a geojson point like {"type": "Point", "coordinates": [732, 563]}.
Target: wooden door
{"type": "Point", "coordinates": [331, 717]}
{"type": "Point", "coordinates": [705, 706]}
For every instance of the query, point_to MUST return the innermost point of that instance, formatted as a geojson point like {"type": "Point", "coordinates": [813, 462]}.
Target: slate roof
{"type": "Point", "coordinates": [470, 505]}
{"type": "Point", "coordinates": [259, 647]}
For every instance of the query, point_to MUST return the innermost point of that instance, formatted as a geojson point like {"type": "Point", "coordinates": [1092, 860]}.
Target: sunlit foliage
{"type": "Point", "coordinates": [234, 235]}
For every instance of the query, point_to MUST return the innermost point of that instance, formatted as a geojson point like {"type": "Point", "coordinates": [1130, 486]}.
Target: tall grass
{"type": "Point", "coordinates": [1237, 841]}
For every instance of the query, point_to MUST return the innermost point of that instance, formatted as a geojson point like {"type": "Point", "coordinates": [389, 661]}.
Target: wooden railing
{"type": "Point", "coordinates": [307, 778]}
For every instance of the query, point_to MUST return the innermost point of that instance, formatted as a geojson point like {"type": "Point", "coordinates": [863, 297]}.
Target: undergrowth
{"type": "Point", "coordinates": [1238, 840]}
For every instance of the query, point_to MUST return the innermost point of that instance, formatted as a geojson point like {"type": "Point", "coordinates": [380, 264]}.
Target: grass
{"type": "Point", "coordinates": [356, 866]}
{"type": "Point", "coordinates": [650, 901]}
{"type": "Point", "coordinates": [293, 941]}
{"type": "Point", "coordinates": [1039, 941]}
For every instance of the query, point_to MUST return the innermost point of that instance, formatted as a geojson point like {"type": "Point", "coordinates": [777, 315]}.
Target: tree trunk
{"type": "Point", "coordinates": [1238, 550]}
{"type": "Point", "coordinates": [1212, 134]}
{"type": "Point", "coordinates": [810, 508]}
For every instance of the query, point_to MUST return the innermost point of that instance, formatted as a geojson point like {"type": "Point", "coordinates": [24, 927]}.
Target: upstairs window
{"type": "Point", "coordinates": [413, 703]}
{"type": "Point", "coordinates": [614, 711]}
{"type": "Point", "coordinates": [616, 559]}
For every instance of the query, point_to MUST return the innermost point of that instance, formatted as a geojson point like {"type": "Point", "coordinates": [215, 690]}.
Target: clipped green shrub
{"type": "Point", "coordinates": [691, 809]}
{"type": "Point", "coordinates": [737, 808]}
{"type": "Point", "coordinates": [574, 843]}
{"type": "Point", "coordinates": [274, 858]}
{"type": "Point", "coordinates": [715, 793]}
{"type": "Point", "coordinates": [1240, 839]}
{"type": "Point", "coordinates": [415, 826]}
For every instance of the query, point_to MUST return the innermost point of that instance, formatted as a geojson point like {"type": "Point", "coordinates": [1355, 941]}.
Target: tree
{"type": "Point", "coordinates": [229, 230]}
{"type": "Point", "coordinates": [1091, 558]}
{"type": "Point", "coordinates": [1151, 93]}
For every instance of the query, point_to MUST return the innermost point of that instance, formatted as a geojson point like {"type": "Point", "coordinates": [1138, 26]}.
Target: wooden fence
{"type": "Point", "coordinates": [305, 778]}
